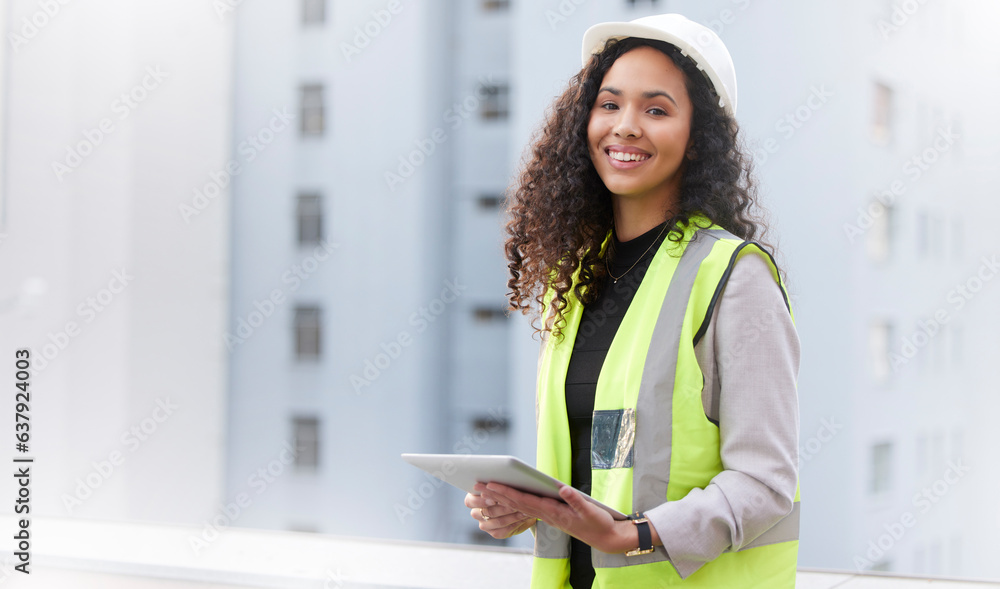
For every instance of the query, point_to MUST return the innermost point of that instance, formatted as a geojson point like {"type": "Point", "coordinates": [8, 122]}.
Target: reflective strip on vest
{"type": "Point", "coordinates": [650, 373]}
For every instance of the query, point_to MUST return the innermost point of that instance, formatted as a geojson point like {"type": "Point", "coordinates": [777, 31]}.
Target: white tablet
{"type": "Point", "coordinates": [465, 470]}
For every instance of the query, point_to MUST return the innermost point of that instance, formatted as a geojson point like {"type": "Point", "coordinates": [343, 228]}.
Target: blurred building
{"type": "Point", "coordinates": [112, 113]}
{"type": "Point", "coordinates": [367, 273]}
{"type": "Point", "coordinates": [873, 139]}
{"type": "Point", "coordinates": [256, 249]}
{"type": "Point", "coordinates": [368, 276]}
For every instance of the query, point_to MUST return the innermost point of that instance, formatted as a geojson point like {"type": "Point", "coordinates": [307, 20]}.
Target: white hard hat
{"type": "Point", "coordinates": [696, 41]}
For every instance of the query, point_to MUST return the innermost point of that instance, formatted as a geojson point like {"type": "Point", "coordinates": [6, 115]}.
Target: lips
{"type": "Point", "coordinates": [625, 157]}
{"type": "Point", "coordinates": [628, 157]}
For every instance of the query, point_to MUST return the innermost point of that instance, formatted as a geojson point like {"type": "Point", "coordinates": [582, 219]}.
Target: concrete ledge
{"type": "Point", "coordinates": [826, 579]}
{"type": "Point", "coordinates": [82, 553]}
{"type": "Point", "coordinates": [257, 558]}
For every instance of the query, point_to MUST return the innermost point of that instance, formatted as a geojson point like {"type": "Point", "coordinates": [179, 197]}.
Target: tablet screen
{"type": "Point", "coordinates": [465, 470]}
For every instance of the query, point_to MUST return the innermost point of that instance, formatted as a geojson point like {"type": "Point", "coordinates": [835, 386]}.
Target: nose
{"type": "Point", "coordinates": [627, 125]}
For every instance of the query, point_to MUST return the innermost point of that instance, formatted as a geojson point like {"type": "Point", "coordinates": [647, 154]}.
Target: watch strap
{"type": "Point", "coordinates": [645, 536]}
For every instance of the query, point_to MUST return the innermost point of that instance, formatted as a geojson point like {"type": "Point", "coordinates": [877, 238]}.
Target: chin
{"type": "Point", "coordinates": [625, 190]}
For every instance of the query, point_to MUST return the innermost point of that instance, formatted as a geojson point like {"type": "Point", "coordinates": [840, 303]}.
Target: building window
{"type": "Point", "coordinates": [313, 12]}
{"type": "Point", "coordinates": [306, 435]}
{"type": "Point", "coordinates": [880, 234]}
{"type": "Point", "coordinates": [491, 423]}
{"type": "Point", "coordinates": [312, 109]}
{"type": "Point", "coordinates": [489, 202]}
{"type": "Point", "coordinates": [495, 101]}
{"type": "Point", "coordinates": [309, 216]}
{"type": "Point", "coordinates": [879, 336]}
{"type": "Point", "coordinates": [308, 333]}
{"type": "Point", "coordinates": [923, 457]}
{"type": "Point", "coordinates": [488, 314]}
{"type": "Point", "coordinates": [881, 480]}
{"type": "Point", "coordinates": [496, 5]}
{"type": "Point", "coordinates": [882, 119]}
{"type": "Point", "coordinates": [923, 234]}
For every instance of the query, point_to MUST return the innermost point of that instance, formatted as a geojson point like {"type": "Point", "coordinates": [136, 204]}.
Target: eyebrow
{"type": "Point", "coordinates": [647, 95]}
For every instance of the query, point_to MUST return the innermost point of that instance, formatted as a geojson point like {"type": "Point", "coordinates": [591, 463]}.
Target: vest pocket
{"type": "Point", "coordinates": [612, 438]}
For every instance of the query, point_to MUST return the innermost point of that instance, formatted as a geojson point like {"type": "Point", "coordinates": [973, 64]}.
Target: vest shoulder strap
{"type": "Point", "coordinates": [723, 234]}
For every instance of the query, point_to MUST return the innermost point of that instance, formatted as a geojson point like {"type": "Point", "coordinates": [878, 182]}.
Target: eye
{"type": "Point", "coordinates": [609, 106]}
{"type": "Point", "coordinates": [657, 111]}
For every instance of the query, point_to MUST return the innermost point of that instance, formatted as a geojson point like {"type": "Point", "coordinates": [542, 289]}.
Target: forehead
{"type": "Point", "coordinates": [644, 67]}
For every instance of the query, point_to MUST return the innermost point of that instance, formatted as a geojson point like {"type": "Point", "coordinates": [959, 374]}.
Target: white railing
{"type": "Point", "coordinates": [69, 553]}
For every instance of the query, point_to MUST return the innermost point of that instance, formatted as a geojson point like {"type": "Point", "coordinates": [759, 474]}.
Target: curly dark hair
{"type": "Point", "coordinates": [560, 210]}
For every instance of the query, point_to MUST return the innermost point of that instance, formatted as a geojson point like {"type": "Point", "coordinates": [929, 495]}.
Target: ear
{"type": "Point", "coordinates": [691, 153]}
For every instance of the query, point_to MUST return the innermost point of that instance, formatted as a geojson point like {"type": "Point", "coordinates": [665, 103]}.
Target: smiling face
{"type": "Point", "coordinates": [640, 127]}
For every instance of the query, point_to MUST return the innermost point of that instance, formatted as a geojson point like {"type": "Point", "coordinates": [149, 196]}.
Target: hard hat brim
{"type": "Point", "coordinates": [598, 35]}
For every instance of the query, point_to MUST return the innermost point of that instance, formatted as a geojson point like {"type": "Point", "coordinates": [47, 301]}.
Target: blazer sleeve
{"type": "Point", "coordinates": [750, 355]}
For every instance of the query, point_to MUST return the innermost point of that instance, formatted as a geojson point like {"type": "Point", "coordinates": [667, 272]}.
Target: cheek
{"type": "Point", "coordinates": [594, 135]}
{"type": "Point", "coordinates": [674, 141]}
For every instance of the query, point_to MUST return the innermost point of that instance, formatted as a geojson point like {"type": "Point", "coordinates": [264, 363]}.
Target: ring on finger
{"type": "Point", "coordinates": [482, 512]}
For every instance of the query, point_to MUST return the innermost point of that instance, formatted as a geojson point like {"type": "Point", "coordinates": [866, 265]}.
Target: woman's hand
{"type": "Point", "coordinates": [496, 520]}
{"type": "Point", "coordinates": [574, 515]}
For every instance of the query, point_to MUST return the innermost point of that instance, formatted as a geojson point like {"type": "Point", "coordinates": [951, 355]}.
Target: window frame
{"type": "Point", "coordinates": [307, 317]}
{"type": "Point", "coordinates": [312, 109]}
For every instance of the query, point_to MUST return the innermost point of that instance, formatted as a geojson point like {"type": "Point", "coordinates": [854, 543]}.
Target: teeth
{"type": "Point", "coordinates": [628, 157]}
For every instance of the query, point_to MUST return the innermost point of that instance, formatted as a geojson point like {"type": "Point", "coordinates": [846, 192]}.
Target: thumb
{"type": "Point", "coordinates": [572, 498]}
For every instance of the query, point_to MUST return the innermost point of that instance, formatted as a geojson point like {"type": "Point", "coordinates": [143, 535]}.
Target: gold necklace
{"type": "Point", "coordinates": [608, 265]}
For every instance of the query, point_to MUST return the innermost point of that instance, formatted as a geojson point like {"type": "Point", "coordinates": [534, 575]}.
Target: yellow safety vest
{"type": "Point", "coordinates": [651, 378]}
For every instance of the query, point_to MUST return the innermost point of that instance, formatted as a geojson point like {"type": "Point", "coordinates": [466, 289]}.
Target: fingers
{"type": "Point", "coordinates": [504, 495]}
{"type": "Point", "coordinates": [495, 512]}
{"type": "Point", "coordinates": [490, 522]}
{"type": "Point", "coordinates": [504, 526]}
{"type": "Point", "coordinates": [513, 529]}
{"type": "Point", "coordinates": [478, 501]}
{"type": "Point", "coordinates": [497, 519]}
{"type": "Point", "coordinates": [525, 526]}
{"type": "Point", "coordinates": [491, 510]}
{"type": "Point", "coordinates": [528, 503]}
{"type": "Point", "coordinates": [565, 512]}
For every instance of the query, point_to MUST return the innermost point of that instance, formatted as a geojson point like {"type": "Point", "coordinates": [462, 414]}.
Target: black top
{"type": "Point", "coordinates": [598, 326]}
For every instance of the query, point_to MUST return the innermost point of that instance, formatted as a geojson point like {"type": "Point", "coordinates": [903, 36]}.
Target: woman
{"type": "Point", "coordinates": [666, 384]}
